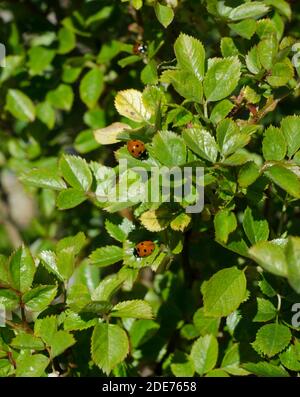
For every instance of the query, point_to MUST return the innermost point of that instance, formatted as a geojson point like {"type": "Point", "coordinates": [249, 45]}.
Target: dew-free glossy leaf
{"type": "Point", "coordinates": [224, 292]}
{"type": "Point", "coordinates": [221, 78]}
{"type": "Point", "coordinates": [190, 55]}
{"type": "Point", "coordinates": [20, 105]}
{"type": "Point", "coordinates": [76, 172]}
{"type": "Point", "coordinates": [109, 346]}
{"type": "Point", "coordinates": [204, 354]}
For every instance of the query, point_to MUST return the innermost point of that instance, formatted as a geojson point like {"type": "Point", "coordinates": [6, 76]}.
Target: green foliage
{"type": "Point", "coordinates": [202, 84]}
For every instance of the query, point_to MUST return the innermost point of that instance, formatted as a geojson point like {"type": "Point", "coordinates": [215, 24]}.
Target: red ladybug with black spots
{"type": "Point", "coordinates": [136, 148]}
{"type": "Point", "coordinates": [145, 248]}
{"type": "Point", "coordinates": [139, 49]}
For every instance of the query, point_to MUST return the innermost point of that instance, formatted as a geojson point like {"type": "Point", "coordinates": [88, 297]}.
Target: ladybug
{"type": "Point", "coordinates": [136, 148]}
{"type": "Point", "coordinates": [139, 49]}
{"type": "Point", "coordinates": [145, 248]}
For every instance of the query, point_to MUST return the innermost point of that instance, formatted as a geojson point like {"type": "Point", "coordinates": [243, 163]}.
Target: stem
{"type": "Point", "coordinates": [279, 303]}
{"type": "Point", "coordinates": [205, 109]}
{"type": "Point", "coordinates": [283, 216]}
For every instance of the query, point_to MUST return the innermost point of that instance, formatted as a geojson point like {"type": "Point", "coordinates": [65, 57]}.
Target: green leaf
{"type": "Point", "coordinates": [49, 260]}
{"type": "Point", "coordinates": [119, 231]}
{"type": "Point", "coordinates": [110, 346]}
{"type": "Point", "coordinates": [266, 288]}
{"type": "Point", "coordinates": [76, 243]}
{"type": "Point", "coordinates": [245, 29]}
{"type": "Point", "coordinates": [60, 342]}
{"type": "Point", "coordinates": [253, 61]}
{"type": "Point", "coordinates": [291, 129]}
{"type": "Point", "coordinates": [181, 222]}
{"type": "Point", "coordinates": [9, 299]}
{"type": "Point", "coordinates": [134, 309]}
{"type": "Point", "coordinates": [256, 229]}
{"type": "Point", "coordinates": [137, 4]}
{"type": "Point", "coordinates": [185, 83]}
{"type": "Point", "coordinates": [224, 292]}
{"type": "Point", "coordinates": [267, 51]}
{"type": "Point", "coordinates": [201, 142]}
{"type": "Point", "coordinates": [185, 369]}
{"type": "Point", "coordinates": [168, 148]}
{"type": "Point", "coordinates": [221, 110]}
{"type": "Point", "coordinates": [67, 40]}
{"type": "Point", "coordinates": [43, 178]}
{"type": "Point", "coordinates": [61, 98]}
{"type": "Point", "coordinates": [267, 27]}
{"type": "Point", "coordinates": [22, 269]}
{"type": "Point", "coordinates": [39, 298]}
{"type": "Point", "coordinates": [248, 174]}
{"type": "Point", "coordinates": [106, 256]}
{"type": "Point", "coordinates": [141, 331]}
{"type": "Point", "coordinates": [224, 223]}
{"type": "Point", "coordinates": [97, 307]}
{"type": "Point", "coordinates": [46, 114]}
{"type": "Point", "coordinates": [265, 310]}
{"type": "Point", "coordinates": [108, 286]}
{"type": "Point", "coordinates": [4, 272]}
{"type": "Point", "coordinates": [280, 74]}
{"type": "Point", "coordinates": [66, 262]}
{"type": "Point", "coordinates": [78, 297]}
{"type": "Point", "coordinates": [27, 341]}
{"type": "Point", "coordinates": [204, 354]}
{"type": "Point", "coordinates": [221, 78]}
{"type": "Point", "coordinates": [45, 328]}
{"type": "Point", "coordinates": [103, 14]}
{"type": "Point", "coordinates": [205, 324]}
{"type": "Point", "coordinates": [217, 373]}
{"type": "Point", "coordinates": [85, 142]}
{"type": "Point", "coordinates": [20, 105]}
{"type": "Point", "coordinates": [274, 144]}
{"type": "Point", "coordinates": [149, 73]}
{"type": "Point", "coordinates": [290, 359]}
{"type": "Point", "coordinates": [282, 6]}
{"type": "Point", "coordinates": [228, 47]}
{"type": "Point", "coordinates": [164, 14]}
{"type": "Point", "coordinates": [39, 59]}
{"type": "Point", "coordinates": [129, 103]}
{"type": "Point", "coordinates": [6, 368]}
{"type": "Point", "coordinates": [189, 331]}
{"type": "Point", "coordinates": [293, 262]}
{"type": "Point", "coordinates": [91, 87]}
{"type": "Point", "coordinates": [270, 256]}
{"type": "Point", "coordinates": [231, 361]}
{"type": "Point", "coordinates": [190, 55]}
{"type": "Point", "coordinates": [70, 198]}
{"type": "Point", "coordinates": [271, 339]}
{"type": "Point", "coordinates": [76, 172]}
{"type": "Point", "coordinates": [284, 178]}
{"type": "Point", "coordinates": [254, 9]}
{"type": "Point", "coordinates": [265, 369]}
{"type": "Point", "coordinates": [31, 365]}
{"type": "Point", "coordinates": [156, 220]}
{"type": "Point", "coordinates": [76, 322]}
{"type": "Point", "coordinates": [230, 138]}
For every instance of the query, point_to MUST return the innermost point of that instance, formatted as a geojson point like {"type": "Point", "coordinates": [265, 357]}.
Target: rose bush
{"type": "Point", "coordinates": [201, 84]}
